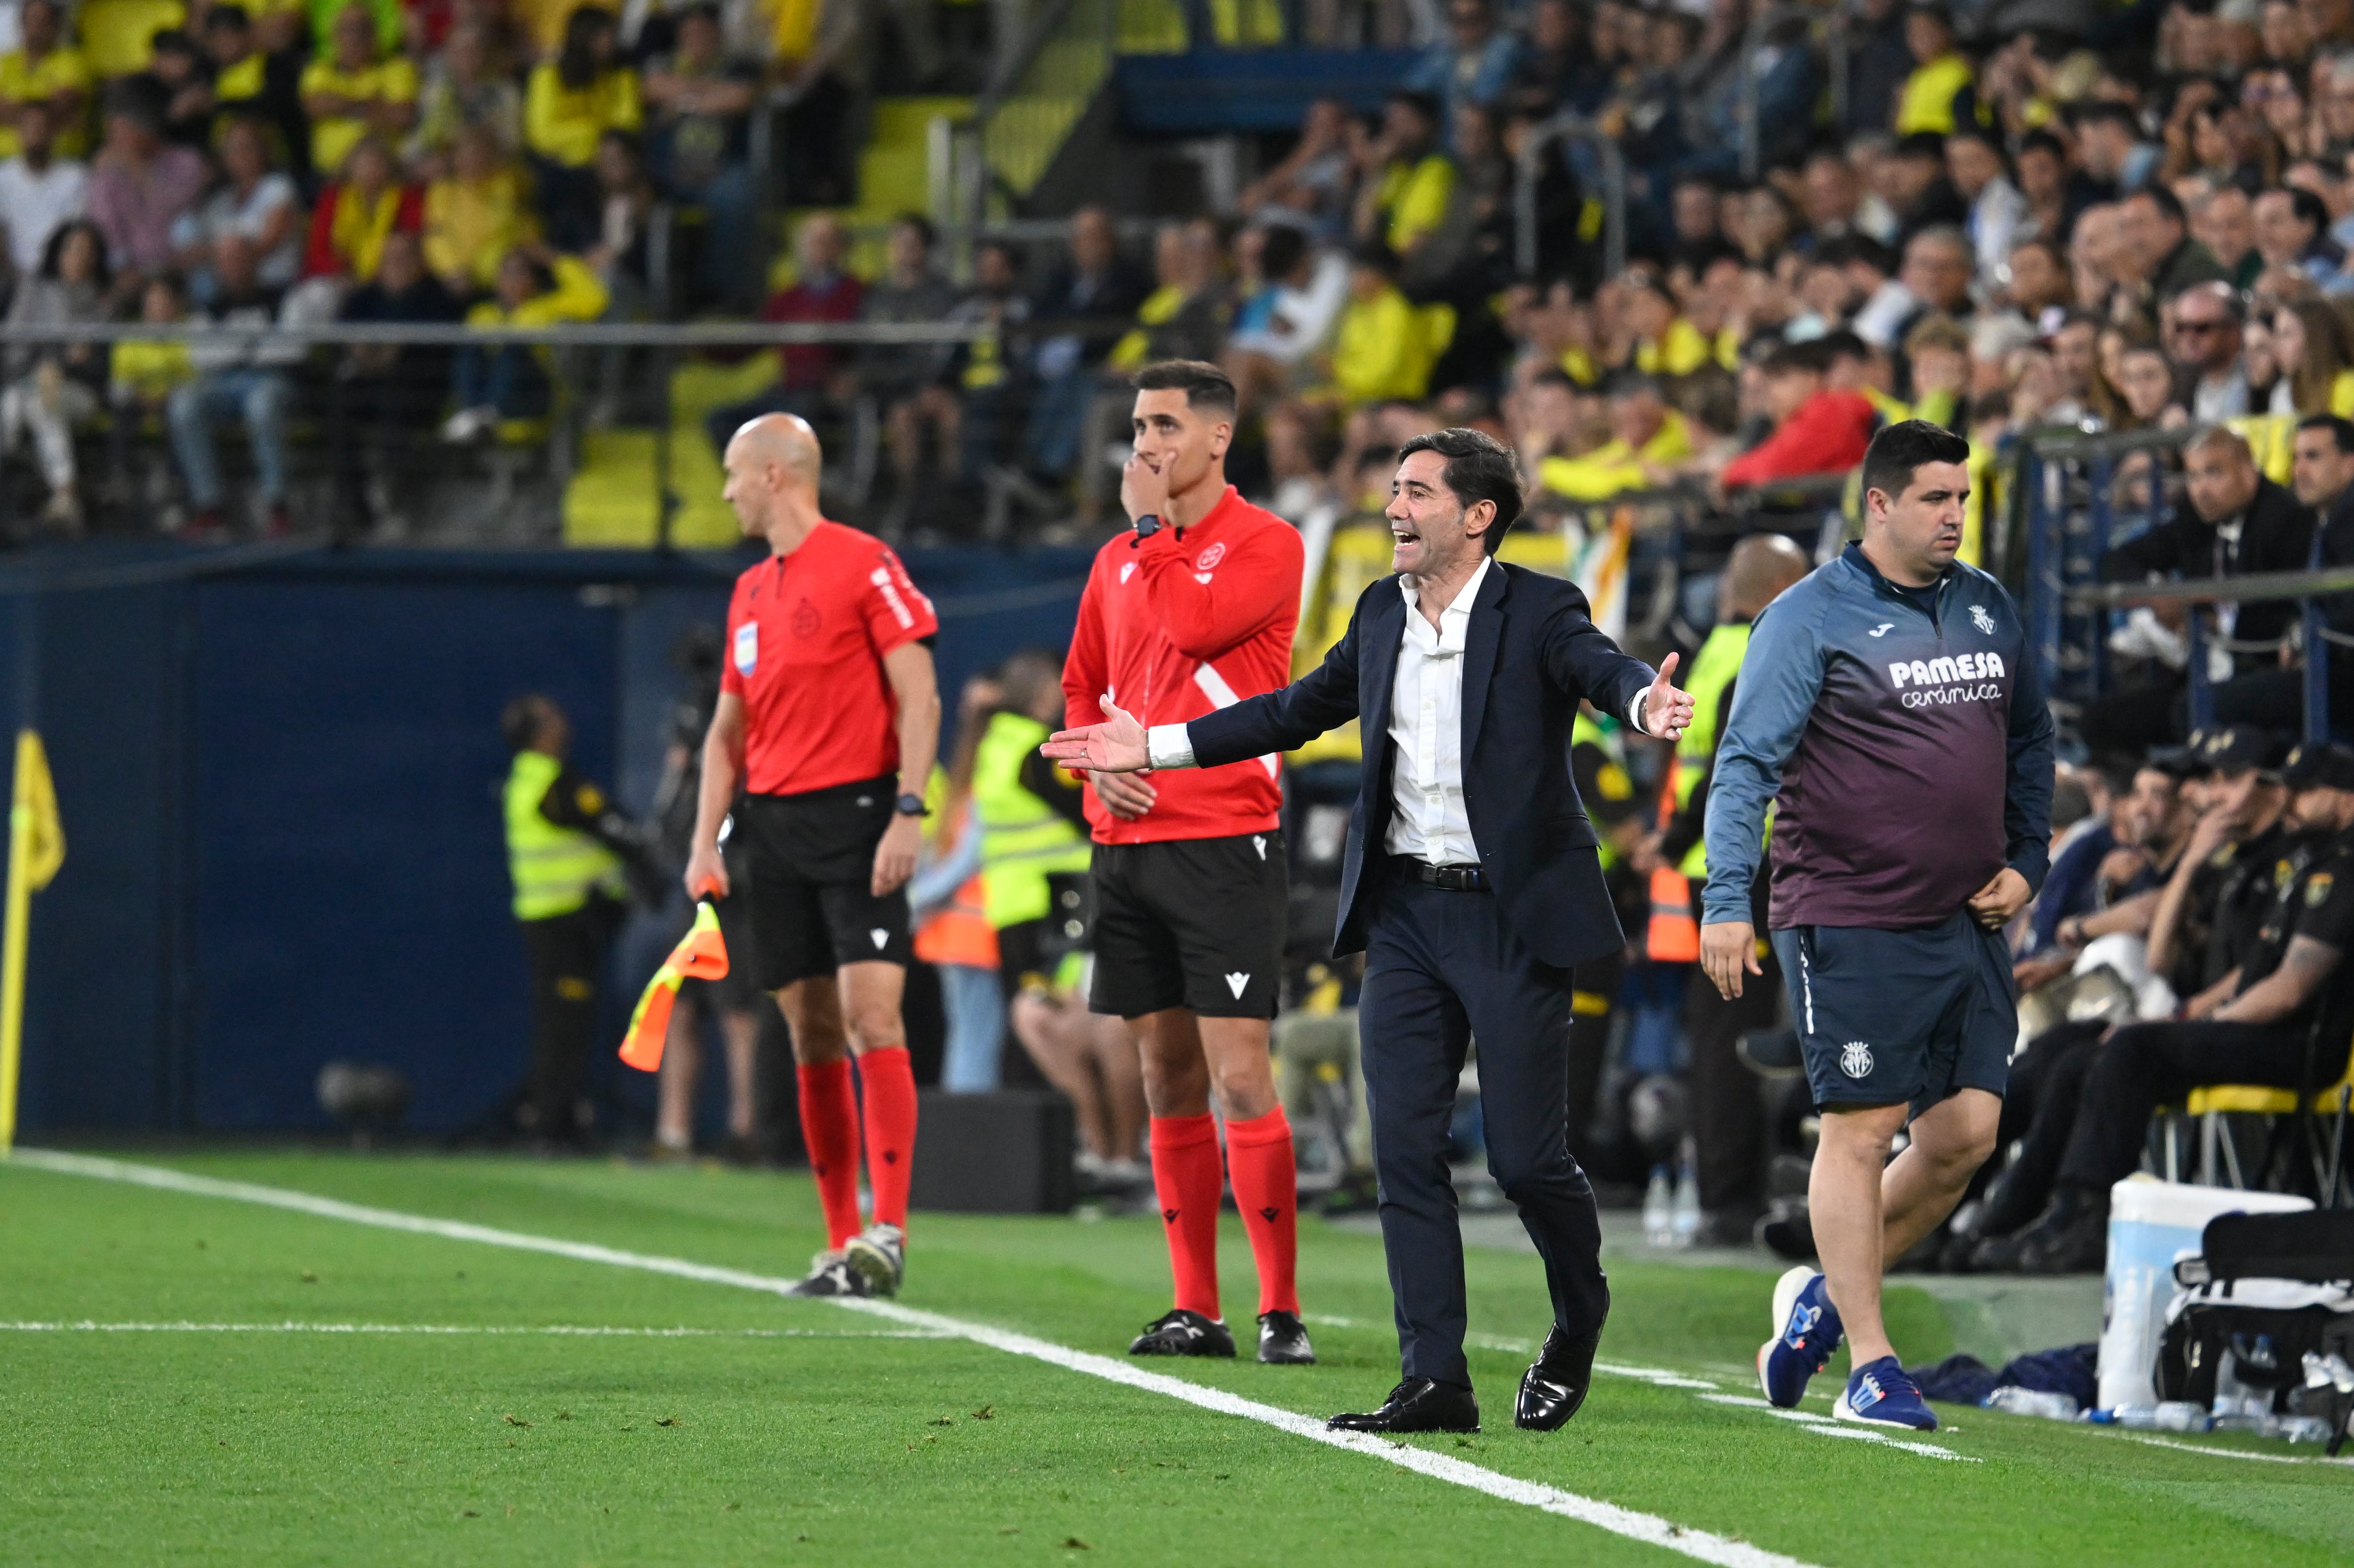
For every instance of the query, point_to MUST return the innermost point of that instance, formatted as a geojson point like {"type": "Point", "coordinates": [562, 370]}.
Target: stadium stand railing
{"type": "Point", "coordinates": [546, 479]}
{"type": "Point", "coordinates": [2074, 494]}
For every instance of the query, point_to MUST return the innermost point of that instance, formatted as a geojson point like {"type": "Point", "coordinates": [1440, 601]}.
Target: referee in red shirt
{"type": "Point", "coordinates": [1191, 611]}
{"type": "Point", "coordinates": [829, 717]}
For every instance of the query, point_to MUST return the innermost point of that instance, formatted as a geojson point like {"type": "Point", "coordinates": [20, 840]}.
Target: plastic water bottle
{"type": "Point", "coordinates": [2030, 1401]}
{"type": "Point", "coordinates": [2139, 1416]}
{"type": "Point", "coordinates": [2306, 1429]}
{"type": "Point", "coordinates": [1659, 1209]}
{"type": "Point", "coordinates": [1684, 1217]}
{"type": "Point", "coordinates": [2181, 1415]}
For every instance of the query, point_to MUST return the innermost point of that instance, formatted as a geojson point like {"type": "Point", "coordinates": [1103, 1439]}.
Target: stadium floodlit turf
{"type": "Point", "coordinates": [186, 1377]}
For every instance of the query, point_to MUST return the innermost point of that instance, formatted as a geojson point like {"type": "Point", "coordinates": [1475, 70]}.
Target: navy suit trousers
{"type": "Point", "coordinates": [1441, 968]}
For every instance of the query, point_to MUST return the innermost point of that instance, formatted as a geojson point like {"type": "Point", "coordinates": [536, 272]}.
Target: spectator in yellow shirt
{"type": "Point", "coordinates": [356, 90]}
{"type": "Point", "coordinates": [46, 69]}
{"type": "Point", "coordinates": [1410, 180]}
{"type": "Point", "coordinates": [1664, 343]}
{"type": "Point", "coordinates": [1383, 350]}
{"type": "Point", "coordinates": [1934, 94]}
{"type": "Point", "coordinates": [475, 214]}
{"type": "Point", "coordinates": [493, 386]}
{"type": "Point", "coordinates": [144, 371]}
{"type": "Point", "coordinates": [572, 100]}
{"type": "Point", "coordinates": [1648, 439]}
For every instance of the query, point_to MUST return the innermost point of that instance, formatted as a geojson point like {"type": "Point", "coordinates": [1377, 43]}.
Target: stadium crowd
{"type": "Point", "coordinates": [381, 162]}
{"type": "Point", "coordinates": [1992, 219]}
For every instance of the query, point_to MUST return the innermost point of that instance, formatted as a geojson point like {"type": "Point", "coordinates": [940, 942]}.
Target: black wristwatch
{"type": "Point", "coordinates": [1148, 525]}
{"type": "Point", "coordinates": [910, 806]}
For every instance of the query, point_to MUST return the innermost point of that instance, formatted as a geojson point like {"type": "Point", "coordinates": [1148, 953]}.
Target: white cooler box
{"type": "Point", "coordinates": [2151, 1224]}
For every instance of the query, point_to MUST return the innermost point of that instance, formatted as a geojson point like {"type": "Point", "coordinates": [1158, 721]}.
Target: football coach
{"type": "Point", "coordinates": [1470, 883]}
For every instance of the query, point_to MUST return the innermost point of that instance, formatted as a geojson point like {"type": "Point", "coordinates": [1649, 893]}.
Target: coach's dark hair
{"type": "Point", "coordinates": [1905, 445]}
{"type": "Point", "coordinates": [1205, 384]}
{"type": "Point", "coordinates": [2341, 430]}
{"type": "Point", "coordinates": [521, 720]}
{"type": "Point", "coordinates": [1479, 468]}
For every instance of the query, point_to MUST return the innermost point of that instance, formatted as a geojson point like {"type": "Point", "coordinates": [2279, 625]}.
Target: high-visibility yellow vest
{"type": "Point", "coordinates": [1713, 670]}
{"type": "Point", "coordinates": [1612, 781]}
{"type": "Point", "coordinates": [555, 869]}
{"type": "Point", "coordinates": [1022, 838]}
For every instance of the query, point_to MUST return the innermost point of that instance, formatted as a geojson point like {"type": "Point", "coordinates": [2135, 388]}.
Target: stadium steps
{"type": "Point", "coordinates": [611, 500]}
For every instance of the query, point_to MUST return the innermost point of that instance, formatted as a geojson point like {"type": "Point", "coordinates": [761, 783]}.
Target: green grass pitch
{"type": "Point", "coordinates": [784, 1431]}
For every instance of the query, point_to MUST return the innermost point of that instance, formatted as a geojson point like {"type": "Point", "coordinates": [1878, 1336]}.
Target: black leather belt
{"type": "Point", "coordinates": [1453, 878]}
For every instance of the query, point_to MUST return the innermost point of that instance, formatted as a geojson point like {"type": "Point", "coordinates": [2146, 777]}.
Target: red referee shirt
{"type": "Point", "coordinates": [1190, 619]}
{"type": "Point", "coordinates": [807, 634]}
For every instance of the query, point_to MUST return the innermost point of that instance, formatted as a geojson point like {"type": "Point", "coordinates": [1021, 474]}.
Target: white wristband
{"type": "Point", "coordinates": [1167, 746]}
{"type": "Point", "coordinates": [1635, 710]}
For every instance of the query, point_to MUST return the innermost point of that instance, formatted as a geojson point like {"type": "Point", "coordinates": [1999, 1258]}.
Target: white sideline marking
{"type": "Point", "coordinates": [1646, 1528]}
{"type": "Point", "coordinates": [2236, 1453]}
{"type": "Point", "coordinates": [576, 1330]}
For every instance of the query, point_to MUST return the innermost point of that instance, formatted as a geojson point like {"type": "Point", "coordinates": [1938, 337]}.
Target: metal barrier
{"type": "Point", "coordinates": [511, 484]}
{"type": "Point", "coordinates": [2308, 589]}
{"type": "Point", "coordinates": [1569, 128]}
{"type": "Point", "coordinates": [1833, 51]}
{"type": "Point", "coordinates": [2066, 480]}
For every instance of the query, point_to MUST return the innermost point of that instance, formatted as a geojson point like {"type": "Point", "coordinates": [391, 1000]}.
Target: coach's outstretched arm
{"type": "Point", "coordinates": [1323, 699]}
{"type": "Point", "coordinates": [1781, 676]}
{"type": "Point", "coordinates": [1580, 657]}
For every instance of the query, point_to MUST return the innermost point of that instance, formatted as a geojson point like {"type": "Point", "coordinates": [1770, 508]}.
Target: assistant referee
{"type": "Point", "coordinates": [829, 717]}
{"type": "Point", "coordinates": [1189, 612]}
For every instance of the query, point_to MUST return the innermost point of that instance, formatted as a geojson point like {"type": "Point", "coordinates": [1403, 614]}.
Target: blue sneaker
{"type": "Point", "coordinates": [1879, 1394]}
{"type": "Point", "coordinates": [1806, 1331]}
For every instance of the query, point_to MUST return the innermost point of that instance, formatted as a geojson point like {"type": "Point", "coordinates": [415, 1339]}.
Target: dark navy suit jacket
{"type": "Point", "coordinates": [1531, 652]}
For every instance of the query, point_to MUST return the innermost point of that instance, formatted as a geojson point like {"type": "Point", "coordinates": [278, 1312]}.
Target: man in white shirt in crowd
{"type": "Point", "coordinates": [38, 190]}
{"type": "Point", "coordinates": [1472, 883]}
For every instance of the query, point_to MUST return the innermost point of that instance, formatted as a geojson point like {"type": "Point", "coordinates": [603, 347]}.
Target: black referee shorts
{"type": "Point", "coordinates": [1195, 923]}
{"type": "Point", "coordinates": [809, 864]}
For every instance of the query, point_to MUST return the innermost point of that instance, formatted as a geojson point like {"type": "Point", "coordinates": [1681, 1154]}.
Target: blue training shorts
{"type": "Point", "coordinates": [1889, 1017]}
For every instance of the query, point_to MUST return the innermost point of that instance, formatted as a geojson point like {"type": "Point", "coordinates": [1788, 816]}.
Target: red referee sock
{"type": "Point", "coordinates": [1186, 1176]}
{"type": "Point", "coordinates": [886, 1085]}
{"type": "Point", "coordinates": [830, 1128]}
{"type": "Point", "coordinates": [1267, 1190]}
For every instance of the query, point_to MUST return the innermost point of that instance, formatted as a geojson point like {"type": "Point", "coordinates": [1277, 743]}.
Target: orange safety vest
{"type": "Point", "coordinates": [1673, 934]}
{"type": "Point", "coordinates": [961, 932]}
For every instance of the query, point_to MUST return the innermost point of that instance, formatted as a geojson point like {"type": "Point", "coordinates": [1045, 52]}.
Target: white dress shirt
{"type": "Point", "coordinates": [1429, 819]}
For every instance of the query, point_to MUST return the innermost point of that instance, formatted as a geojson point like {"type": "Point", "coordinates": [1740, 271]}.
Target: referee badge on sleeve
{"type": "Point", "coordinates": [747, 646]}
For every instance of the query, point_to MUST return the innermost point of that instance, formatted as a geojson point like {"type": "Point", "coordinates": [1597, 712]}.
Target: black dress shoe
{"type": "Point", "coordinates": [1789, 1232]}
{"type": "Point", "coordinates": [2073, 1237]}
{"type": "Point", "coordinates": [1418, 1404]}
{"type": "Point", "coordinates": [1552, 1389]}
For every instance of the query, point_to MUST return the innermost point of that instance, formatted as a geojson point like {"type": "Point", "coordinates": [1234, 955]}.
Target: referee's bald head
{"type": "Point", "coordinates": [785, 440]}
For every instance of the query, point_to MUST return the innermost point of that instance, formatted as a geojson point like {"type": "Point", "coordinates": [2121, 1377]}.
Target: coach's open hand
{"type": "Point", "coordinates": [1667, 712]}
{"type": "Point", "coordinates": [1993, 904]}
{"type": "Point", "coordinates": [1115, 745]}
{"type": "Point", "coordinates": [1728, 949]}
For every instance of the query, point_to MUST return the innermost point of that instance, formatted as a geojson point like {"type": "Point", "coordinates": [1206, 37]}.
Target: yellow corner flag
{"type": "Point", "coordinates": [36, 848]}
